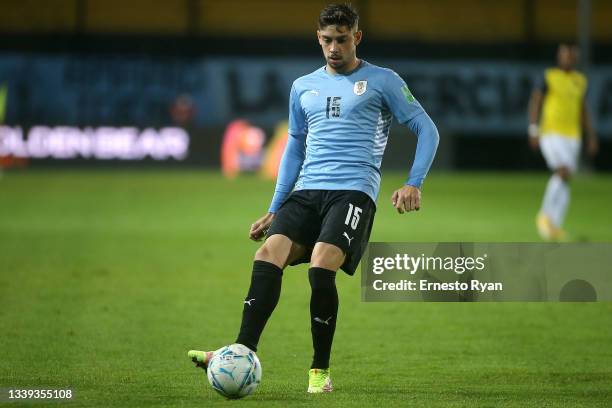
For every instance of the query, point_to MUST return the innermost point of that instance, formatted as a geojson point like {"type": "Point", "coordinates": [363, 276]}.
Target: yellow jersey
{"type": "Point", "coordinates": [564, 93]}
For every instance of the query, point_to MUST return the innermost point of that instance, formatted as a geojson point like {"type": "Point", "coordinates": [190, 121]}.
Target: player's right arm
{"type": "Point", "coordinates": [291, 163]}
{"type": "Point", "coordinates": [535, 106]}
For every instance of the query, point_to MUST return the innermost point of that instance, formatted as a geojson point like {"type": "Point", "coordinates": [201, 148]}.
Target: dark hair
{"type": "Point", "coordinates": [569, 44]}
{"type": "Point", "coordinates": [339, 15]}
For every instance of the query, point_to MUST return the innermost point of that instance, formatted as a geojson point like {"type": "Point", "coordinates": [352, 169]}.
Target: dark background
{"type": "Point", "coordinates": [167, 40]}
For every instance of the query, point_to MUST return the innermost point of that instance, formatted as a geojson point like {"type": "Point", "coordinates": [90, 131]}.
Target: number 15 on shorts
{"type": "Point", "coordinates": [352, 216]}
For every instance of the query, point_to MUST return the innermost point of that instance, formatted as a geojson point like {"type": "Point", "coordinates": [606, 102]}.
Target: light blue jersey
{"type": "Point", "coordinates": [338, 130]}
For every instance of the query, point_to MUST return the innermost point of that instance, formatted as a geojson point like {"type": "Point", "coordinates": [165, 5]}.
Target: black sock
{"type": "Point", "coordinates": [260, 302]}
{"type": "Point", "coordinates": [323, 312]}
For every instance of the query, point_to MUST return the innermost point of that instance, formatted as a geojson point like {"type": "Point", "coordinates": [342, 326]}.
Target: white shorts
{"type": "Point", "coordinates": [560, 151]}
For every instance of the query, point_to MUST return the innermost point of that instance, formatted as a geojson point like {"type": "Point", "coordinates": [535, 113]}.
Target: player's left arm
{"type": "Point", "coordinates": [411, 114]}
{"type": "Point", "coordinates": [587, 122]}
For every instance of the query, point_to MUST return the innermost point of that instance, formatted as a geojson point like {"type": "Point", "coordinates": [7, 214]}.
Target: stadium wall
{"type": "Point", "coordinates": [469, 97]}
{"type": "Point", "coordinates": [433, 20]}
{"type": "Point", "coordinates": [479, 105]}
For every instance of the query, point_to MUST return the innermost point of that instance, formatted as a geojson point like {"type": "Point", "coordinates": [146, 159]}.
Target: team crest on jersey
{"type": "Point", "coordinates": [360, 87]}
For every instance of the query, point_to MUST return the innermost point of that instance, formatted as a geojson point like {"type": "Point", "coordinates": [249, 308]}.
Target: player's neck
{"type": "Point", "coordinates": [349, 68]}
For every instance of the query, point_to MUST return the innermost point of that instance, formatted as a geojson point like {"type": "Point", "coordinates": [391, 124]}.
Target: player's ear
{"type": "Point", "coordinates": [358, 36]}
{"type": "Point", "coordinates": [319, 37]}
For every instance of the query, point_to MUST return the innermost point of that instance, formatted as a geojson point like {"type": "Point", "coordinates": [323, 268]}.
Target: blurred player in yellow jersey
{"type": "Point", "coordinates": [558, 112]}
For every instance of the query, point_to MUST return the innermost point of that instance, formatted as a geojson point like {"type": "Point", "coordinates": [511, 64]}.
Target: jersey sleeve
{"type": "Point", "coordinates": [399, 100]}
{"type": "Point", "coordinates": [297, 119]}
{"type": "Point", "coordinates": [427, 144]}
{"type": "Point", "coordinates": [409, 112]}
{"type": "Point", "coordinates": [294, 154]}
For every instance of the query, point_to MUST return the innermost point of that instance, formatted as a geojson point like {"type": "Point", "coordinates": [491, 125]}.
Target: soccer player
{"type": "Point", "coordinates": [559, 103]}
{"type": "Point", "coordinates": [324, 202]}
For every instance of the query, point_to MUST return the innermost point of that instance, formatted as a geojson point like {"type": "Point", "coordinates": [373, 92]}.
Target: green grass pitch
{"type": "Point", "coordinates": [107, 278]}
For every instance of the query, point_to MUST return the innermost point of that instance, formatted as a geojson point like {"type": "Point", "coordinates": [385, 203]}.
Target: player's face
{"type": "Point", "coordinates": [339, 45]}
{"type": "Point", "coordinates": [567, 56]}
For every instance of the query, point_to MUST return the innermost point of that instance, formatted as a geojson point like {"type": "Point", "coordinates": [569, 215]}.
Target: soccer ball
{"type": "Point", "coordinates": [234, 371]}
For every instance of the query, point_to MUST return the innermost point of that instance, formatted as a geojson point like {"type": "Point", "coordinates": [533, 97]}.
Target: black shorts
{"type": "Point", "coordinates": [343, 218]}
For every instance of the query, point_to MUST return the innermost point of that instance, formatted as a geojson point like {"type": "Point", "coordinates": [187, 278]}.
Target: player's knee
{"type": "Point", "coordinates": [263, 253]}
{"type": "Point", "coordinates": [327, 256]}
{"type": "Point", "coordinates": [564, 173]}
{"type": "Point", "coordinates": [275, 250]}
{"type": "Point", "coordinates": [266, 253]}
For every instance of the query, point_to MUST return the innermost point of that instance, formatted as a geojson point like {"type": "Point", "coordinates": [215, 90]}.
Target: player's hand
{"type": "Point", "coordinates": [407, 198]}
{"type": "Point", "coordinates": [592, 146]}
{"type": "Point", "coordinates": [260, 227]}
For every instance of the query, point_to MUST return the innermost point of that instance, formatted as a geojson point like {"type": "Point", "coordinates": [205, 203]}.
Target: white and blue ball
{"type": "Point", "coordinates": [234, 371]}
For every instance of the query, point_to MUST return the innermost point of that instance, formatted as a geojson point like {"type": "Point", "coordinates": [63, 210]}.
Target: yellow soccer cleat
{"type": "Point", "coordinates": [200, 358]}
{"type": "Point", "coordinates": [545, 227]}
{"type": "Point", "coordinates": [559, 235]}
{"type": "Point", "coordinates": [319, 380]}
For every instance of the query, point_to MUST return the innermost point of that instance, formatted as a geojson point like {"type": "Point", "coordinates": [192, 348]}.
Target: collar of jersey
{"type": "Point", "coordinates": [362, 63]}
